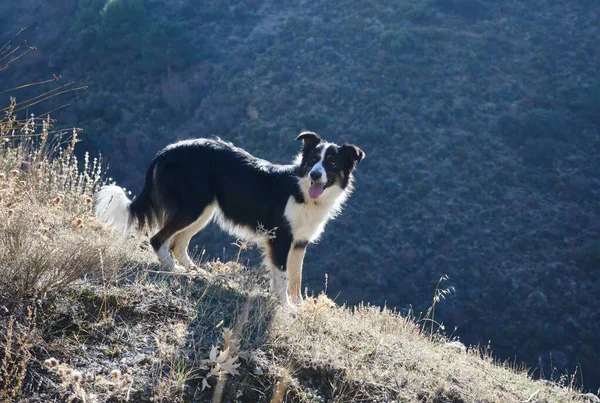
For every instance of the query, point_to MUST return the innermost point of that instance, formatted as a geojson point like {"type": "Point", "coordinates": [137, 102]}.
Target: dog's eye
{"type": "Point", "coordinates": [314, 159]}
{"type": "Point", "coordinates": [331, 161]}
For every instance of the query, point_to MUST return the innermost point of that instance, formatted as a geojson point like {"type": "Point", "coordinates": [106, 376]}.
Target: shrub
{"type": "Point", "coordinates": [102, 105]}
{"type": "Point", "coordinates": [165, 46]}
{"type": "Point", "coordinates": [591, 103]}
{"type": "Point", "coordinates": [176, 92]}
{"type": "Point", "coordinates": [87, 19]}
{"type": "Point", "coordinates": [48, 236]}
{"type": "Point", "coordinates": [419, 11]}
{"type": "Point", "coordinates": [15, 351]}
{"type": "Point", "coordinates": [316, 121]}
{"type": "Point", "coordinates": [535, 124]}
{"type": "Point", "coordinates": [397, 41]}
{"type": "Point", "coordinates": [543, 123]}
{"type": "Point", "coordinates": [507, 125]}
{"type": "Point", "coordinates": [540, 152]}
{"type": "Point", "coordinates": [121, 31]}
{"type": "Point", "coordinates": [121, 34]}
{"type": "Point", "coordinates": [593, 255]}
{"type": "Point", "coordinates": [471, 9]}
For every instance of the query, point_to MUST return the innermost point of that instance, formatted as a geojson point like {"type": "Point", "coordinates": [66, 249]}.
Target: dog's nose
{"type": "Point", "coordinates": [316, 175]}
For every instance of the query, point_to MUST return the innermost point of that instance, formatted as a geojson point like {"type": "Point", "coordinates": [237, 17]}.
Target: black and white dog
{"type": "Point", "coordinates": [282, 208]}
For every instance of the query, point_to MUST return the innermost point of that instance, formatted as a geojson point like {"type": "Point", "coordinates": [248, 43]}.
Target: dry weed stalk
{"type": "Point", "coordinates": [438, 295]}
{"type": "Point", "coordinates": [16, 346]}
{"type": "Point", "coordinates": [222, 361]}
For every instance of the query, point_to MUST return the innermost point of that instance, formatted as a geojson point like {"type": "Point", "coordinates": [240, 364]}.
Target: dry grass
{"type": "Point", "coordinates": [88, 387]}
{"type": "Point", "coordinates": [43, 251]}
{"type": "Point", "coordinates": [371, 354]}
{"type": "Point", "coordinates": [15, 346]}
{"type": "Point", "coordinates": [48, 237]}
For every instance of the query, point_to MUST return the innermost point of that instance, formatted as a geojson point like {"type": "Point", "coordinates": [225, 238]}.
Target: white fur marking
{"type": "Point", "coordinates": [319, 167]}
{"type": "Point", "coordinates": [165, 257]}
{"type": "Point", "coordinates": [279, 282]}
{"type": "Point", "coordinates": [237, 230]}
{"type": "Point", "coordinates": [308, 220]}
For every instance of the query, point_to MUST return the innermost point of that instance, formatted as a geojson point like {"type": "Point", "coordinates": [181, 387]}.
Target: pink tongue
{"type": "Point", "coordinates": [315, 190]}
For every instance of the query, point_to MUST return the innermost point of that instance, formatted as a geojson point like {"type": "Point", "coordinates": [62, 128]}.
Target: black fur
{"type": "Point", "coordinates": [189, 175]}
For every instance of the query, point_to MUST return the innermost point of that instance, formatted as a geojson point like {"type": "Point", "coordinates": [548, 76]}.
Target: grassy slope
{"type": "Point", "coordinates": [157, 332]}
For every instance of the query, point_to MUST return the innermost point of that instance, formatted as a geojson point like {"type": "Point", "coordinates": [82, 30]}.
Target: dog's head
{"type": "Point", "coordinates": [325, 164]}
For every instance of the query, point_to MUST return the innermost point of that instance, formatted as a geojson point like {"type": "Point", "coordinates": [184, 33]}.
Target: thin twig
{"type": "Point", "coordinates": [55, 78]}
{"type": "Point", "coordinates": [7, 44]}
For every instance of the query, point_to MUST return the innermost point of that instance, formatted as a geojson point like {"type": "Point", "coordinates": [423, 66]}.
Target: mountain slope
{"type": "Point", "coordinates": [479, 120]}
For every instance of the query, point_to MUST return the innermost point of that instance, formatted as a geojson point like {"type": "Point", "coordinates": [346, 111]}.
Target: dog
{"type": "Point", "coordinates": [282, 208]}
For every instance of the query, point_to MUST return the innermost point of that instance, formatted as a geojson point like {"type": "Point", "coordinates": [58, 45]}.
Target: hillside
{"type": "Point", "coordinates": [86, 317]}
{"type": "Point", "coordinates": [152, 339]}
{"type": "Point", "coordinates": [479, 119]}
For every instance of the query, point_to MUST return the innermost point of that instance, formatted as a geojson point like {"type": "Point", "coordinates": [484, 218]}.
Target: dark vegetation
{"type": "Point", "coordinates": [480, 119]}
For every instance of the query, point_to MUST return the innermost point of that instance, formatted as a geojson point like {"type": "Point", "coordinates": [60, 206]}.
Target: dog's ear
{"type": "Point", "coordinates": [352, 154]}
{"type": "Point", "coordinates": [309, 139]}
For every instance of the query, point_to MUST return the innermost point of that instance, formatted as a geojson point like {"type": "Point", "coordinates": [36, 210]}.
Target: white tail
{"type": "Point", "coordinates": [111, 206]}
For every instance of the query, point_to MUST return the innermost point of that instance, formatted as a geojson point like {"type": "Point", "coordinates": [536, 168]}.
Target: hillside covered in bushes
{"type": "Point", "coordinates": [480, 121]}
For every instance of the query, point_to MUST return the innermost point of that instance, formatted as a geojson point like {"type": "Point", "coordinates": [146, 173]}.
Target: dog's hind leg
{"type": "Point", "coordinates": [180, 242]}
{"type": "Point", "coordinates": [277, 250]}
{"type": "Point", "coordinates": [160, 241]}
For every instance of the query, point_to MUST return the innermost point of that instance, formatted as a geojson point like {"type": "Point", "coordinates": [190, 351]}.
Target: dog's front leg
{"type": "Point", "coordinates": [294, 269]}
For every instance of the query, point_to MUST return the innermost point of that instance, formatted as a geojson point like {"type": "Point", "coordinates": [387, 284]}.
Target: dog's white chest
{"type": "Point", "coordinates": [306, 219]}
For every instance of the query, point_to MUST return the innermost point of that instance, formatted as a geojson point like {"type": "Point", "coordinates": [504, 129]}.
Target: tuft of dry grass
{"type": "Point", "coordinates": [41, 251]}
{"type": "Point", "coordinates": [87, 387]}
